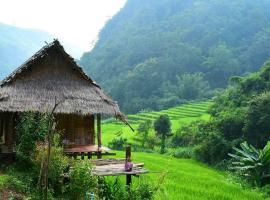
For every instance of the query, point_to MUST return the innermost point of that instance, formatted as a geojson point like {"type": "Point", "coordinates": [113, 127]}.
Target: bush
{"type": "Point", "coordinates": [183, 153]}
{"type": "Point", "coordinates": [32, 127]}
{"type": "Point", "coordinates": [114, 190]}
{"type": "Point", "coordinates": [252, 163]}
{"type": "Point", "coordinates": [57, 166]}
{"type": "Point", "coordinates": [213, 149]}
{"type": "Point", "coordinates": [81, 180]}
{"type": "Point", "coordinates": [187, 135]}
{"type": "Point", "coordinates": [118, 143]}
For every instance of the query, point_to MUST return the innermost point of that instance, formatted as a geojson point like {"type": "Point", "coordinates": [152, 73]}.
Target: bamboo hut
{"type": "Point", "coordinates": [48, 76]}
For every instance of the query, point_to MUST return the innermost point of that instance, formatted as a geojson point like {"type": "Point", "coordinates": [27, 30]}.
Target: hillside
{"type": "Point", "coordinates": [18, 44]}
{"type": "Point", "coordinates": [144, 52]}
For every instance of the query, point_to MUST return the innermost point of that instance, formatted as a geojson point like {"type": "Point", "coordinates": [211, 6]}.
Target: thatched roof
{"type": "Point", "coordinates": [51, 76]}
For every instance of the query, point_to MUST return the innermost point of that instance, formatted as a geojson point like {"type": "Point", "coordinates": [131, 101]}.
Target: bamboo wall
{"type": "Point", "coordinates": [76, 130]}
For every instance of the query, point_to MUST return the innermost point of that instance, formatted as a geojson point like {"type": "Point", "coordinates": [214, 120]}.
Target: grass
{"type": "Point", "coordinates": [3, 180]}
{"type": "Point", "coordinates": [187, 179]}
{"type": "Point", "coordinates": [179, 115]}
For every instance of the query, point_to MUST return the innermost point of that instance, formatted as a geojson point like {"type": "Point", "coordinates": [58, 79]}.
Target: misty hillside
{"type": "Point", "coordinates": [156, 54]}
{"type": "Point", "coordinates": [18, 44]}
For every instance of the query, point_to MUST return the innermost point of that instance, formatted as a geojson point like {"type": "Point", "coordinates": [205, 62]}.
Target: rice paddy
{"type": "Point", "coordinates": [178, 115]}
{"type": "Point", "coordinates": [186, 179]}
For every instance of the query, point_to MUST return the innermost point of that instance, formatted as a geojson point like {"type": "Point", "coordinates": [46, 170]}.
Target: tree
{"type": "Point", "coordinates": [221, 63]}
{"type": "Point", "coordinates": [162, 127]}
{"type": "Point", "coordinates": [242, 111]}
{"type": "Point", "coordinates": [144, 46]}
{"type": "Point", "coordinates": [143, 130]}
{"type": "Point", "coordinates": [191, 86]}
{"type": "Point", "coordinates": [257, 126]}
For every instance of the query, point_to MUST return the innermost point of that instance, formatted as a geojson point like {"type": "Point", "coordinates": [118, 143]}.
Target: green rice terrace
{"type": "Point", "coordinates": [179, 179]}
{"type": "Point", "coordinates": [186, 179]}
{"type": "Point", "coordinates": [178, 115]}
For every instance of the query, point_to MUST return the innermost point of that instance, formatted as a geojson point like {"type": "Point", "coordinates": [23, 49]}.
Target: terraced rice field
{"type": "Point", "coordinates": [178, 115]}
{"type": "Point", "coordinates": [175, 113]}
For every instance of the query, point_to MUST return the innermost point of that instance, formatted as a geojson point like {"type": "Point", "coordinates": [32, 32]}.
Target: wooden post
{"type": "Point", "coordinates": [128, 159]}
{"type": "Point", "coordinates": [89, 154]}
{"type": "Point", "coordinates": [99, 155]}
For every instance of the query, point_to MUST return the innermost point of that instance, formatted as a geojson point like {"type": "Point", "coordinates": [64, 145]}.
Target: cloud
{"type": "Point", "coordinates": [76, 21]}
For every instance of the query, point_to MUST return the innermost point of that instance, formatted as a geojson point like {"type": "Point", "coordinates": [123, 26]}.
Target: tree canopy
{"type": "Point", "coordinates": [242, 111]}
{"type": "Point", "coordinates": [144, 49]}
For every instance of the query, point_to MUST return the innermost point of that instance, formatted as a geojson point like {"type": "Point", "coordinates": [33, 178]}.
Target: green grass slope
{"type": "Point", "coordinates": [178, 115]}
{"type": "Point", "coordinates": [184, 179]}
{"type": "Point", "coordinates": [190, 180]}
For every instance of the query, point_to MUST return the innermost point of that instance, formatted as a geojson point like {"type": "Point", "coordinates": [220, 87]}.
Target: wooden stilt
{"type": "Point", "coordinates": [99, 130]}
{"type": "Point", "coordinates": [89, 155]}
{"type": "Point", "coordinates": [82, 155]}
{"type": "Point", "coordinates": [99, 154]}
{"type": "Point", "coordinates": [128, 180]}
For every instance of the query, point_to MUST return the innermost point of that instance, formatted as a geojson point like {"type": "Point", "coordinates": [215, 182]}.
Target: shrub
{"type": "Point", "coordinates": [58, 164]}
{"type": "Point", "coordinates": [213, 148]}
{"type": "Point", "coordinates": [183, 153]}
{"type": "Point", "coordinates": [151, 143]}
{"type": "Point", "coordinates": [32, 127]}
{"type": "Point", "coordinates": [230, 123]}
{"type": "Point", "coordinates": [81, 180]}
{"type": "Point", "coordinates": [114, 190]}
{"type": "Point", "coordinates": [118, 143]}
{"type": "Point", "coordinates": [187, 135]}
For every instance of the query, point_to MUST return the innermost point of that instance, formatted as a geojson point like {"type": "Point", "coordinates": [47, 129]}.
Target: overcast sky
{"type": "Point", "coordinates": [76, 21]}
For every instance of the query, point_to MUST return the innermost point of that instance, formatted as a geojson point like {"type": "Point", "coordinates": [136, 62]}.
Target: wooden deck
{"type": "Point", "coordinates": [116, 167]}
{"type": "Point", "coordinates": [86, 148]}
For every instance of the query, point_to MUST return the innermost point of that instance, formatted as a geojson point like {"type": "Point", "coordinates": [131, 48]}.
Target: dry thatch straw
{"type": "Point", "coordinates": [52, 75]}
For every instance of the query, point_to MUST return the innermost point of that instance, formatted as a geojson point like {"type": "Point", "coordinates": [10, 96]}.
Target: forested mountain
{"type": "Point", "coordinates": [18, 44]}
{"type": "Point", "coordinates": [155, 54]}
